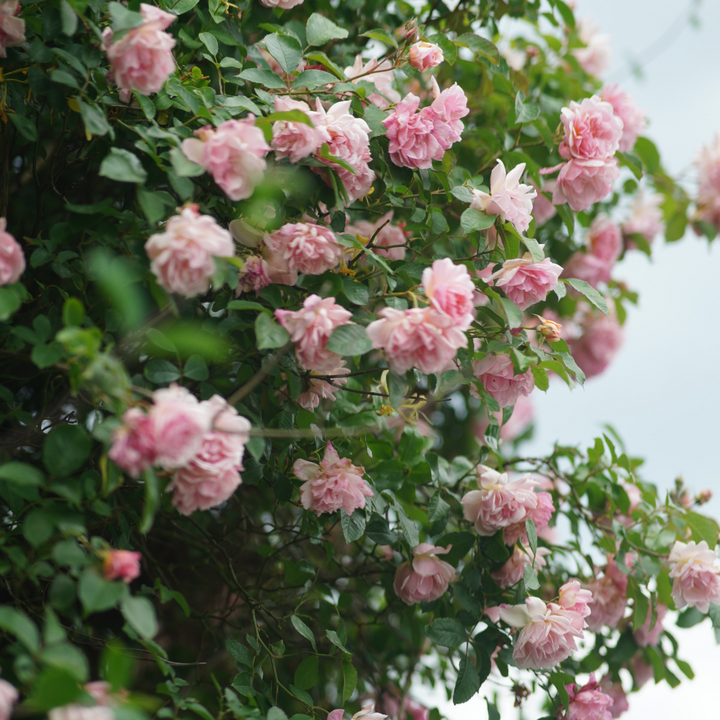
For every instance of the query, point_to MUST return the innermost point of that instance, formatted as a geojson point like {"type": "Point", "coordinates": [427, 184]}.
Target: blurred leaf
{"type": "Point", "coordinates": [123, 166]}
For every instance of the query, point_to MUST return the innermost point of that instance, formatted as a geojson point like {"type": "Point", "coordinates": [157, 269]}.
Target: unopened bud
{"type": "Point", "coordinates": [704, 496]}
{"type": "Point", "coordinates": [549, 329]}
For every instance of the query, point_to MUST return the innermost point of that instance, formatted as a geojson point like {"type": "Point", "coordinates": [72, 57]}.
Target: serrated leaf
{"type": "Point", "coordinates": [467, 684]}
{"type": "Point", "coordinates": [286, 50]}
{"type": "Point", "coordinates": [306, 674]}
{"type": "Point", "coordinates": [313, 78]}
{"type": "Point", "coordinates": [409, 527]}
{"type": "Point", "coordinates": [590, 293]}
{"type": "Point", "coordinates": [473, 220]}
{"type": "Point", "coordinates": [512, 312]}
{"type": "Point", "coordinates": [334, 638]}
{"type": "Point", "coordinates": [264, 77]}
{"type": "Point", "coordinates": [350, 678]}
{"type": "Point", "coordinates": [437, 508]}
{"type": "Point", "coordinates": [532, 535]}
{"type": "Point", "coordinates": [480, 45]}
{"type": "Point", "coordinates": [462, 193]}
{"type": "Point", "coordinates": [349, 340]}
{"type": "Point", "coordinates": [536, 252]}
{"type": "Point", "coordinates": [446, 632]}
{"type": "Point", "coordinates": [382, 36]}
{"type": "Point", "coordinates": [123, 166]}
{"type": "Point", "coordinates": [353, 526]}
{"type": "Point", "coordinates": [304, 630]}
{"type": "Point", "coordinates": [319, 30]}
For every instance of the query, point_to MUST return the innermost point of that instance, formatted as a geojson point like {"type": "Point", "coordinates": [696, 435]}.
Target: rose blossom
{"type": "Point", "coordinates": [121, 565]}
{"type": "Point", "coordinates": [592, 130]}
{"type": "Point", "coordinates": [573, 597]}
{"type": "Point", "coordinates": [296, 140]}
{"type": "Point", "coordinates": [282, 4]}
{"type": "Point", "coordinates": [447, 109]}
{"type": "Point", "coordinates": [543, 209]}
{"type": "Point", "coordinates": [549, 329]}
{"type": "Point", "coordinates": [381, 75]}
{"type": "Point", "coordinates": [397, 708]}
{"type": "Point", "coordinates": [12, 34]}
{"type": "Point", "coordinates": [526, 282]}
{"type": "Point", "coordinates": [390, 240]}
{"type": "Point", "coordinates": [584, 182]}
{"type": "Point", "coordinates": [366, 713]}
{"type": "Point", "coordinates": [695, 572]}
{"type": "Point", "coordinates": [180, 423]}
{"type": "Point", "coordinates": [590, 268]}
{"type": "Point", "coordinates": [254, 275]}
{"type": "Point", "coordinates": [644, 635]}
{"type": "Point", "coordinates": [595, 58]}
{"type": "Point", "coordinates": [233, 154]}
{"type": "Point", "coordinates": [308, 248]}
{"type": "Point", "coordinates": [602, 337]}
{"type": "Point", "coordinates": [333, 484]}
{"type": "Point", "coordinates": [183, 257]}
{"type": "Point", "coordinates": [311, 327]}
{"type": "Point", "coordinates": [426, 578]}
{"type": "Point", "coordinates": [604, 239]}
{"type": "Point", "coordinates": [81, 712]}
{"type": "Point", "coordinates": [508, 197]}
{"type": "Point", "coordinates": [540, 514]}
{"type": "Point", "coordinates": [318, 388]}
{"type": "Point", "coordinates": [142, 58]}
{"type": "Point", "coordinates": [588, 702]}
{"type": "Point", "coordinates": [425, 55]}
{"type": "Point", "coordinates": [133, 443]}
{"type": "Point", "coordinates": [419, 337]}
{"type": "Point", "coordinates": [499, 502]}
{"type": "Point", "coordinates": [616, 692]}
{"type": "Point", "coordinates": [547, 636]}
{"type": "Point", "coordinates": [513, 570]}
{"type": "Point", "coordinates": [450, 290]}
{"type": "Point", "coordinates": [708, 172]}
{"type": "Point", "coordinates": [634, 120]}
{"type": "Point", "coordinates": [646, 217]}
{"type": "Point", "coordinates": [12, 258]}
{"type": "Point", "coordinates": [497, 375]}
{"type": "Point", "coordinates": [8, 697]}
{"type": "Point", "coordinates": [609, 601]}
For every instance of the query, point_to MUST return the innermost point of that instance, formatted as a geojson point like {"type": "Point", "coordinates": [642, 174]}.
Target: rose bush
{"type": "Point", "coordinates": [279, 280]}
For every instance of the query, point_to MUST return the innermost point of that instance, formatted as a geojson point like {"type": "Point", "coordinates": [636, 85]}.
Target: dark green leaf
{"type": "Point", "coordinates": [286, 50]}
{"type": "Point", "coordinates": [22, 474]}
{"type": "Point", "coordinates": [446, 632]}
{"type": "Point", "coordinates": [269, 334]}
{"type": "Point", "coordinates": [25, 126]}
{"type": "Point", "coordinates": [66, 449]}
{"type": "Point", "coordinates": [350, 677]}
{"type": "Point", "coordinates": [468, 682]}
{"type": "Point", "coordinates": [306, 674]}
{"type": "Point", "coordinates": [473, 220]}
{"type": "Point", "coordinates": [304, 630]}
{"type": "Point", "coordinates": [123, 166]}
{"type": "Point", "coordinates": [349, 339]}
{"type": "Point", "coordinates": [140, 615]}
{"type": "Point", "coordinates": [353, 526]}
{"type": "Point", "coordinates": [590, 293]}
{"type": "Point", "coordinates": [319, 30]}
{"type": "Point", "coordinates": [98, 594]}
{"type": "Point", "coordinates": [267, 78]}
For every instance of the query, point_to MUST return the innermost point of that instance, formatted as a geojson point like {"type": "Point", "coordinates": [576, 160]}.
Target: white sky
{"type": "Point", "coordinates": [661, 390]}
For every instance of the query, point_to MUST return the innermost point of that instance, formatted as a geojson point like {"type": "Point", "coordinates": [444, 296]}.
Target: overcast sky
{"type": "Point", "coordinates": [662, 390]}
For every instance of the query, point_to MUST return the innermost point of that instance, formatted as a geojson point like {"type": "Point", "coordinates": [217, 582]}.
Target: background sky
{"type": "Point", "coordinates": [662, 391]}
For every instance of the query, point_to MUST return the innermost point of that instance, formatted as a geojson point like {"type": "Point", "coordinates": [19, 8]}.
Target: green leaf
{"type": "Point", "coordinates": [25, 126]}
{"type": "Point", "coordinates": [196, 368]}
{"type": "Point", "coordinates": [409, 527]}
{"type": "Point", "coordinates": [22, 474]}
{"type": "Point", "coordinates": [462, 193]}
{"type": "Point", "coordinates": [10, 301]}
{"type": "Point", "coordinates": [98, 594]}
{"type": "Point", "coordinates": [355, 292]}
{"type": "Point", "coordinates": [468, 682]}
{"type": "Point", "coordinates": [152, 500]}
{"type": "Point", "coordinates": [350, 677]}
{"type": "Point", "coordinates": [179, 7]}
{"type": "Point", "coordinates": [703, 528]}
{"type": "Point", "coordinates": [525, 112]}
{"type": "Point", "coordinates": [161, 372]}
{"type": "Point", "coordinates": [512, 312]}
{"type": "Point", "coordinates": [493, 713]}
{"type": "Point", "coordinates": [319, 30]}
{"type": "Point", "coordinates": [397, 385]}
{"type": "Point", "coordinates": [437, 508]}
{"type": "Point", "coordinates": [46, 354]}
{"type": "Point", "coordinates": [306, 674]}
{"type": "Point", "coordinates": [276, 713]}
{"type": "Point", "coordinates": [63, 78]}
{"type": "Point", "coordinates": [53, 688]}
{"type": "Point", "coordinates": [536, 252]}
{"type": "Point", "coordinates": [350, 340]}
{"type": "Point", "coordinates": [632, 163]}
{"type": "Point", "coordinates": [676, 227]}
{"type": "Point", "coordinates": [184, 167]}
{"type": "Point", "coordinates": [480, 45]}
{"type": "Point", "coordinates": [67, 657]}
{"type": "Point", "coordinates": [473, 220]}
{"type": "Point", "coordinates": [530, 578]}
{"type": "Point", "coordinates": [353, 526]}
{"type": "Point", "coordinates": [312, 79]}
{"type": "Point", "coordinates": [122, 18]}
{"type": "Point", "coordinates": [94, 118]}
{"type": "Point", "coordinates": [286, 50]}
{"type": "Point", "coordinates": [304, 630]}
{"type": "Point", "coordinates": [264, 77]}
{"type": "Point", "coordinates": [209, 41]}
{"type": "Point", "coordinates": [18, 624]}
{"type": "Point", "coordinates": [382, 36]}
{"type": "Point", "coordinates": [567, 217]}
{"type": "Point", "coordinates": [590, 293]}
{"type": "Point", "coordinates": [123, 166]}
{"type": "Point", "coordinates": [65, 450]}
{"type": "Point", "coordinates": [446, 632]}
{"type": "Point", "coordinates": [647, 152]}
{"type": "Point", "coordinates": [73, 313]}
{"type": "Point", "coordinates": [68, 18]}
{"type": "Point", "coordinates": [239, 653]}
{"type": "Point", "coordinates": [640, 610]}
{"type": "Point", "coordinates": [269, 334]}
{"type": "Point", "coordinates": [297, 116]}
{"type": "Point", "coordinates": [334, 638]}
{"type": "Point", "coordinates": [532, 535]}
{"type": "Point", "coordinates": [140, 615]}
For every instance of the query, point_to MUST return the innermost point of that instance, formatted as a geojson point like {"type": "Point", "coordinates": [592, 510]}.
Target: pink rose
{"type": "Point", "coordinates": [497, 375]}
{"type": "Point", "coordinates": [584, 182]}
{"type": "Point", "coordinates": [573, 597]}
{"type": "Point", "coordinates": [446, 110]}
{"type": "Point", "coordinates": [526, 282]}
{"type": "Point", "coordinates": [254, 275]}
{"type": "Point", "coordinates": [513, 570]}
{"type": "Point", "coordinates": [547, 636]}
{"type": "Point", "coordinates": [12, 34]}
{"type": "Point", "coordinates": [311, 327]}
{"type": "Point", "coordinates": [180, 423]}
{"type": "Point", "coordinates": [616, 692]}
{"type": "Point", "coordinates": [99, 691]}
{"type": "Point", "coordinates": [183, 257]}
{"type": "Point", "coordinates": [381, 75]}
{"type": "Point", "coordinates": [587, 703]}
{"type": "Point", "coordinates": [708, 172]}
{"type": "Point", "coordinates": [592, 130]}
{"type": "Point", "coordinates": [81, 712]}
{"type": "Point", "coordinates": [121, 565]}
{"type": "Point", "coordinates": [233, 154]}
{"type": "Point", "coordinates": [332, 485]}
{"type": "Point", "coordinates": [308, 248]}
{"type": "Point", "coordinates": [520, 420]}
{"type": "Point", "coordinates": [12, 259]}
{"type": "Point", "coordinates": [425, 55]}
{"type": "Point", "coordinates": [602, 337]}
{"type": "Point", "coordinates": [390, 240]}
{"type": "Point", "coordinates": [133, 443]}
{"type": "Point", "coordinates": [595, 58]}
{"type": "Point", "coordinates": [499, 502]}
{"type": "Point", "coordinates": [318, 388]}
{"type": "Point", "coordinates": [543, 209]}
{"type": "Point", "coordinates": [142, 58]}
{"type": "Point", "coordinates": [450, 290]}
{"type": "Point", "coordinates": [8, 693]}
{"type": "Point", "coordinates": [295, 140]}
{"type": "Point", "coordinates": [634, 119]}
{"type": "Point", "coordinates": [609, 601]}
{"type": "Point", "coordinates": [590, 268]}
{"type": "Point", "coordinates": [276, 264]}
{"type": "Point", "coordinates": [419, 337]}
{"type": "Point", "coordinates": [645, 635]}
{"type": "Point", "coordinates": [282, 4]}
{"type": "Point", "coordinates": [695, 575]}
{"type": "Point", "coordinates": [426, 578]}
{"type": "Point", "coordinates": [646, 217]}
{"type": "Point", "coordinates": [604, 239]}
{"type": "Point", "coordinates": [508, 197]}
{"type": "Point", "coordinates": [540, 514]}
